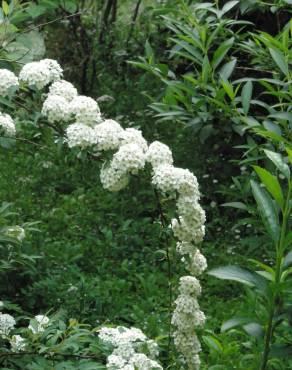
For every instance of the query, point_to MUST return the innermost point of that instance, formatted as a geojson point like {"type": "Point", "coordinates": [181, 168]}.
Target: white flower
{"type": "Point", "coordinates": [189, 208]}
{"type": "Point", "coordinates": [54, 68]}
{"type": "Point", "coordinates": [113, 179]}
{"type": "Point", "coordinates": [169, 179]}
{"type": "Point", "coordinates": [86, 110]}
{"type": "Point", "coordinates": [7, 324]}
{"type": "Point", "coordinates": [197, 263]}
{"type": "Point", "coordinates": [41, 323]}
{"type": "Point", "coordinates": [56, 109]}
{"type": "Point", "coordinates": [189, 285]}
{"type": "Point", "coordinates": [134, 136]}
{"type": "Point", "coordinates": [8, 82]}
{"type": "Point", "coordinates": [130, 158]}
{"type": "Point", "coordinates": [186, 231]}
{"type": "Point", "coordinates": [108, 135]}
{"type": "Point", "coordinates": [63, 88]}
{"type": "Point", "coordinates": [7, 125]}
{"type": "Point", "coordinates": [158, 154]}
{"type": "Point", "coordinates": [121, 335]}
{"type": "Point", "coordinates": [142, 362]}
{"type": "Point", "coordinates": [185, 248]}
{"type": "Point", "coordinates": [17, 343]}
{"type": "Point", "coordinates": [80, 135]}
{"type": "Point", "coordinates": [16, 232]}
{"type": "Point", "coordinates": [115, 362]}
{"type": "Point", "coordinates": [35, 74]}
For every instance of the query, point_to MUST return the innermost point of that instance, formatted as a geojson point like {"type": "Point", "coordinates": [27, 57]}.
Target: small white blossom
{"type": "Point", "coordinates": [134, 136]}
{"type": "Point", "coordinates": [113, 179]}
{"type": "Point", "coordinates": [8, 82]}
{"type": "Point", "coordinates": [63, 88]}
{"type": "Point", "coordinates": [17, 343]}
{"type": "Point", "coordinates": [130, 158]}
{"type": "Point", "coordinates": [35, 74]}
{"type": "Point", "coordinates": [80, 135]}
{"type": "Point", "coordinates": [197, 263]}
{"type": "Point", "coordinates": [55, 70]}
{"type": "Point", "coordinates": [108, 135]}
{"type": "Point", "coordinates": [158, 154]}
{"type": "Point", "coordinates": [185, 231]}
{"type": "Point", "coordinates": [56, 109]}
{"type": "Point", "coordinates": [42, 322]}
{"type": "Point", "coordinates": [86, 110]}
{"type": "Point", "coordinates": [7, 125]}
{"type": "Point", "coordinates": [16, 232]}
{"type": "Point", "coordinates": [7, 323]}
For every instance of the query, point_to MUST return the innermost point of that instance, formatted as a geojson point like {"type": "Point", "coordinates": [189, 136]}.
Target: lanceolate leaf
{"type": "Point", "coordinates": [246, 95]}
{"type": "Point", "coordinates": [279, 59]}
{"type": "Point", "coordinates": [239, 274]}
{"type": "Point", "coordinates": [278, 161]}
{"type": "Point", "coordinates": [235, 321]}
{"type": "Point", "coordinates": [271, 183]}
{"type": "Point", "coordinates": [221, 52]}
{"type": "Point", "coordinates": [267, 210]}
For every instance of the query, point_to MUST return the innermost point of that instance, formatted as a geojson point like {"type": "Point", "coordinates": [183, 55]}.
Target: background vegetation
{"type": "Point", "coordinates": [211, 80]}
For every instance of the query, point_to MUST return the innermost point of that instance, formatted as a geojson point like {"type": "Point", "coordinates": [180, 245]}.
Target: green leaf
{"type": "Point", "coordinates": [281, 350]}
{"type": "Point", "coordinates": [271, 183]}
{"type": "Point", "coordinates": [238, 205]}
{"type": "Point", "coordinates": [279, 59]}
{"type": "Point", "coordinates": [213, 343]}
{"type": "Point", "coordinates": [278, 161]}
{"type": "Point", "coordinates": [246, 95]}
{"type": "Point", "coordinates": [267, 210]}
{"type": "Point", "coordinates": [233, 322]}
{"type": "Point", "coordinates": [287, 260]}
{"type": "Point", "coordinates": [289, 152]}
{"type": "Point", "coordinates": [239, 274]}
{"type": "Point", "coordinates": [5, 7]}
{"type": "Point", "coordinates": [206, 68]}
{"type": "Point", "coordinates": [254, 329]}
{"type": "Point", "coordinates": [228, 88]}
{"type": "Point", "coordinates": [221, 52]}
{"type": "Point", "coordinates": [227, 69]}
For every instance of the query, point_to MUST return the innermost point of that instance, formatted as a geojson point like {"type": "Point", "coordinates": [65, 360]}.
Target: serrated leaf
{"type": "Point", "coordinates": [278, 161]}
{"type": "Point", "coordinates": [271, 183]}
{"type": "Point", "coordinates": [267, 210]}
{"type": "Point", "coordinates": [237, 273]}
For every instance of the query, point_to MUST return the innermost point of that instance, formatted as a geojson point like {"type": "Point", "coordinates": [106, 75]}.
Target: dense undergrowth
{"type": "Point", "coordinates": [214, 87]}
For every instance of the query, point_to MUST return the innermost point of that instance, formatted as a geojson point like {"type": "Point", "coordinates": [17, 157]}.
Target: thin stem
{"type": "Point", "coordinates": [275, 295]}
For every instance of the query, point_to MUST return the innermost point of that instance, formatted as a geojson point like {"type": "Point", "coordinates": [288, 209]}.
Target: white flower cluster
{"type": "Point", "coordinates": [108, 135]}
{"type": "Point", "coordinates": [187, 317]}
{"type": "Point", "coordinates": [56, 109]}
{"type": "Point", "coordinates": [80, 135]}
{"type": "Point", "coordinates": [38, 324]}
{"type": "Point", "coordinates": [7, 125]}
{"type": "Point", "coordinates": [85, 110]}
{"type": "Point", "coordinates": [17, 343]}
{"type": "Point", "coordinates": [64, 89]}
{"type": "Point", "coordinates": [7, 324]}
{"type": "Point", "coordinates": [16, 232]}
{"type": "Point", "coordinates": [128, 345]}
{"type": "Point", "coordinates": [8, 82]}
{"type": "Point", "coordinates": [40, 74]}
{"type": "Point", "coordinates": [158, 154]}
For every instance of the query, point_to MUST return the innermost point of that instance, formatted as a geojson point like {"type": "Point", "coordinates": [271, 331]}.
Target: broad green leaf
{"type": "Point", "coordinates": [237, 273]}
{"type": "Point", "coordinates": [229, 5]}
{"type": "Point", "coordinates": [254, 329]}
{"type": "Point", "coordinates": [246, 95]}
{"type": "Point", "coordinates": [267, 210]}
{"type": "Point", "coordinates": [271, 183]}
{"type": "Point", "coordinates": [235, 321]}
{"type": "Point", "coordinates": [206, 69]}
{"type": "Point", "coordinates": [279, 59]}
{"type": "Point", "coordinates": [287, 116]}
{"type": "Point", "coordinates": [213, 343]}
{"type": "Point", "coordinates": [278, 161]}
{"type": "Point", "coordinates": [221, 52]}
{"type": "Point", "coordinates": [227, 69]}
